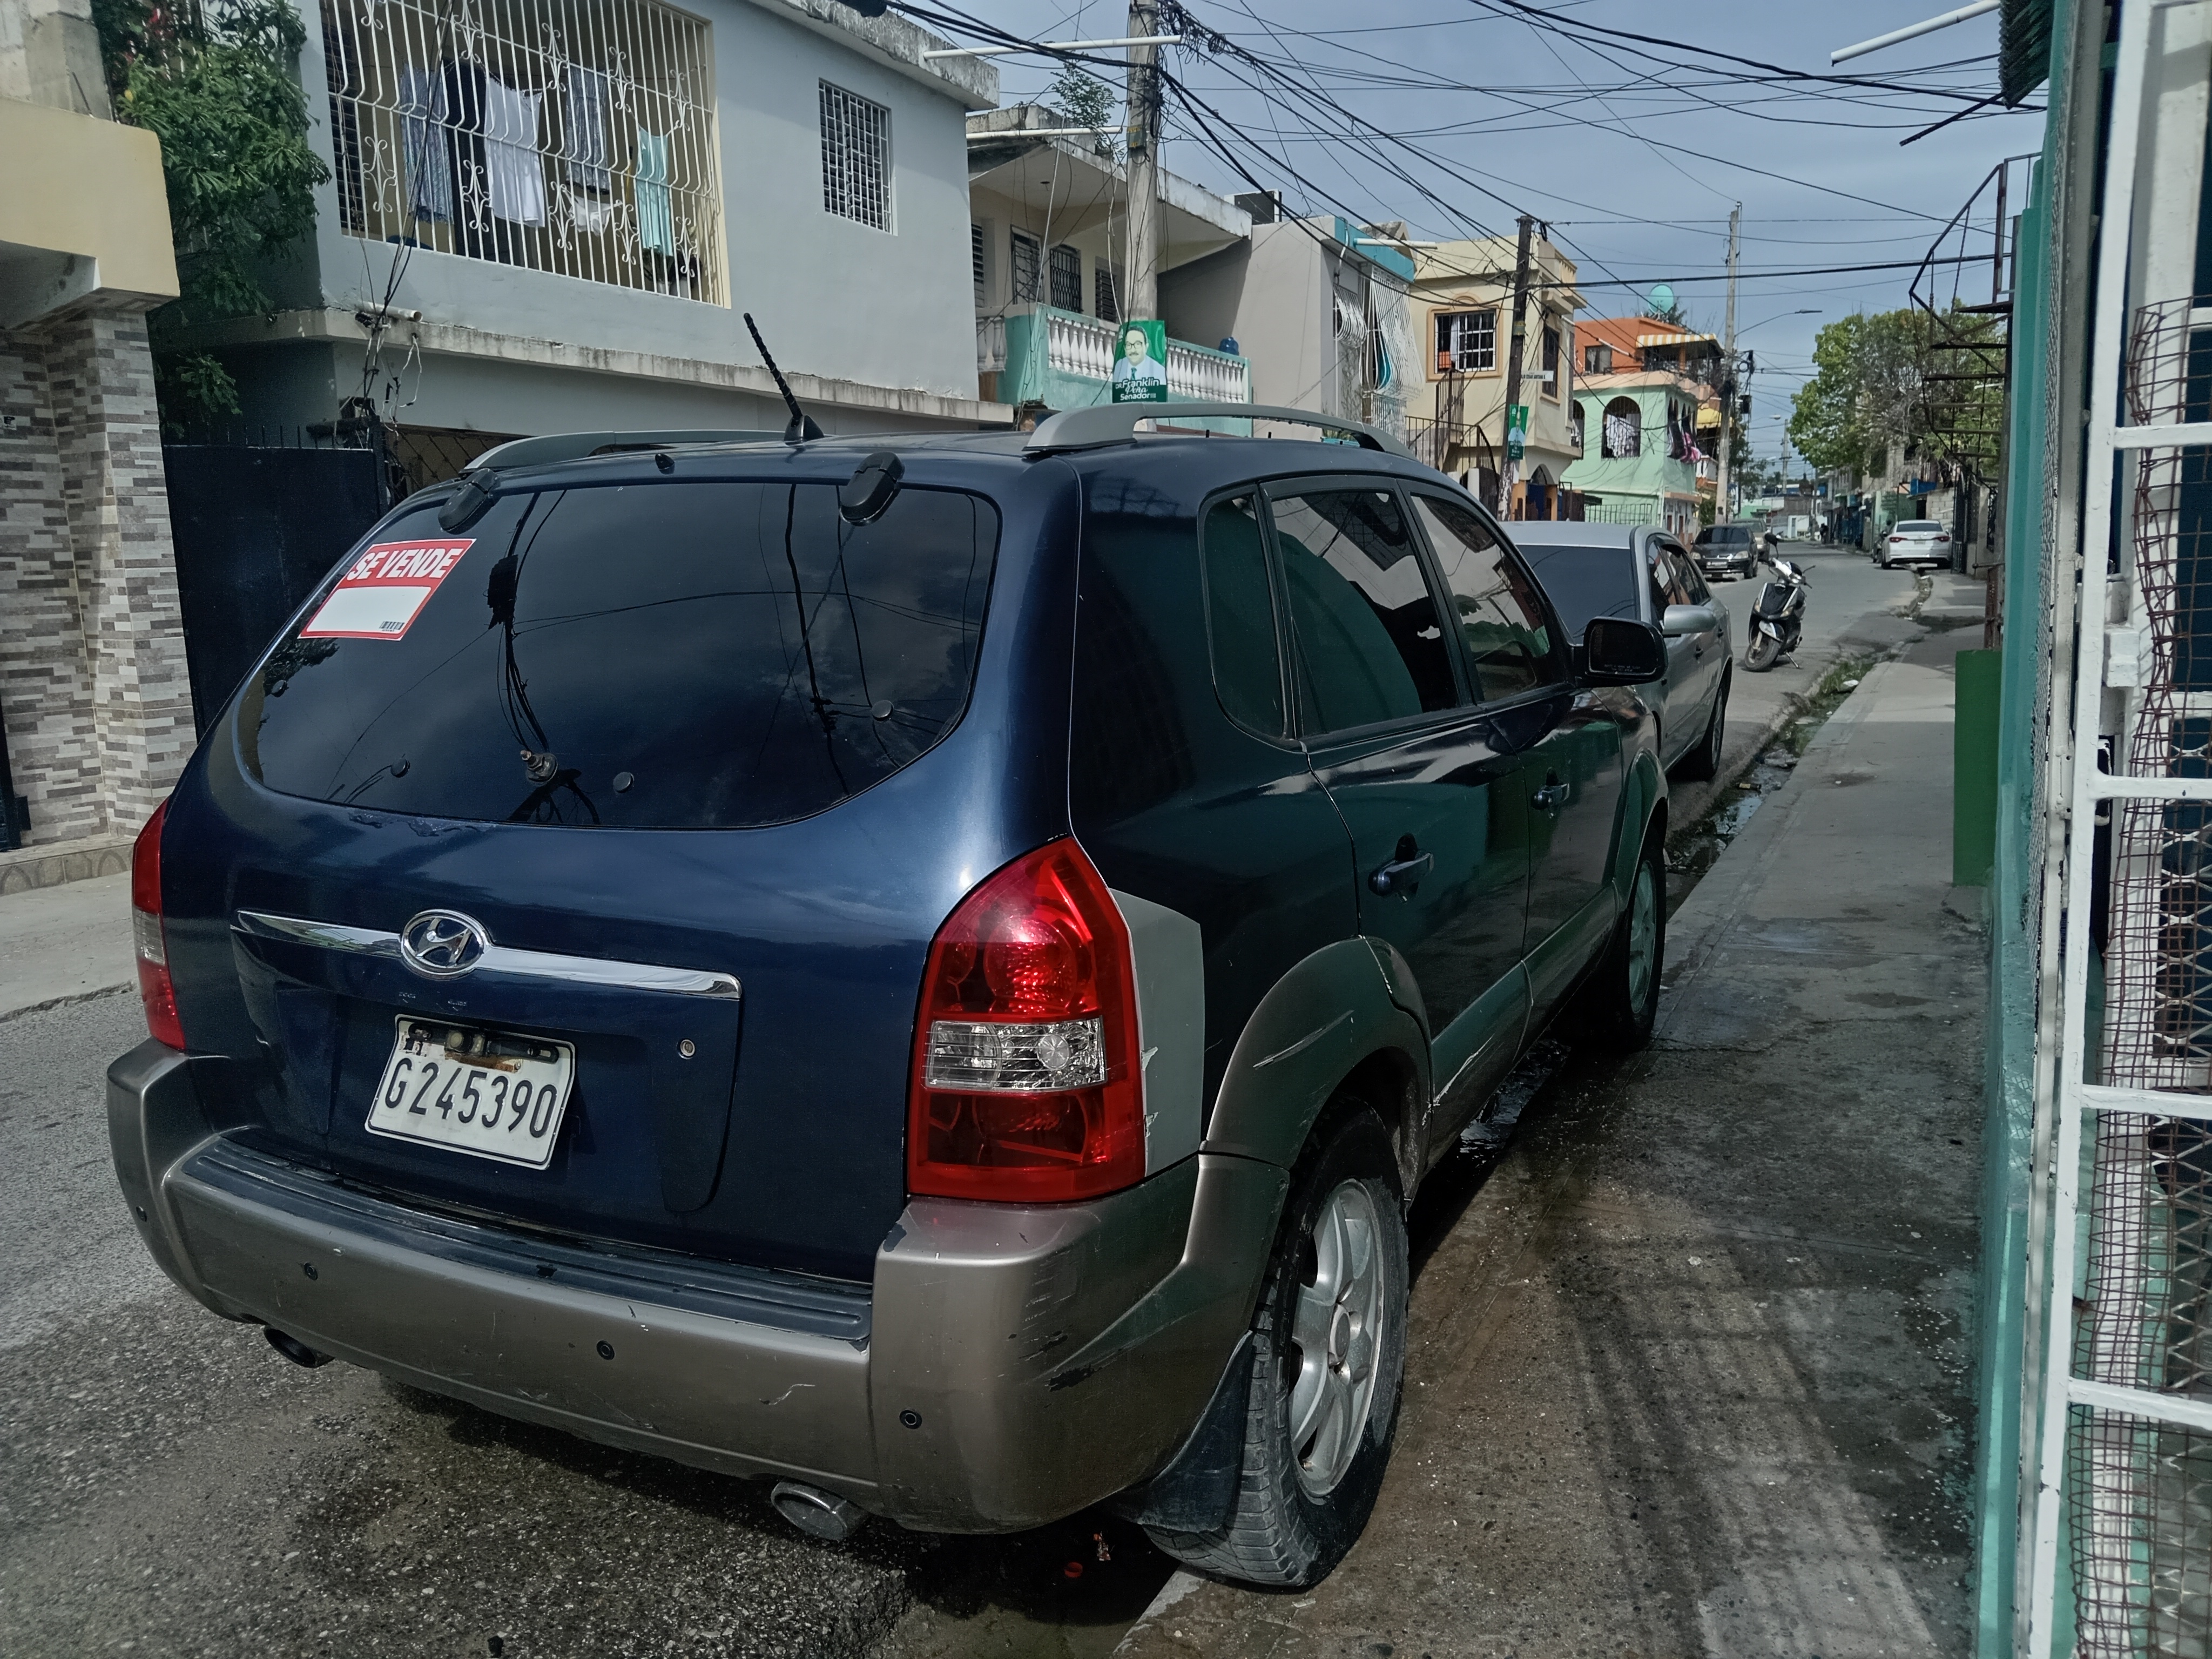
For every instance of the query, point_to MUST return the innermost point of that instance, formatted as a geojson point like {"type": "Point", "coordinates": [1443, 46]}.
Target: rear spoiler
{"type": "Point", "coordinates": [572, 446]}
{"type": "Point", "coordinates": [1113, 423]}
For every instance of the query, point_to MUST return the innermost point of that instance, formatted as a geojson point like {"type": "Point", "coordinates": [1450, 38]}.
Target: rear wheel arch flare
{"type": "Point", "coordinates": [1324, 1020]}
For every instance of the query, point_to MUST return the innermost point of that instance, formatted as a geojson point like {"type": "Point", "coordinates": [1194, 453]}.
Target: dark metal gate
{"type": "Point", "coordinates": [256, 529]}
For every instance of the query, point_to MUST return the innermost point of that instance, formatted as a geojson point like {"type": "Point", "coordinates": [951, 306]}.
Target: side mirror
{"type": "Point", "coordinates": [1688, 619]}
{"type": "Point", "coordinates": [1617, 651]}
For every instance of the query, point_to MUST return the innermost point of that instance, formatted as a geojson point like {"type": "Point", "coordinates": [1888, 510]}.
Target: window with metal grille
{"type": "Point", "coordinates": [1107, 292]}
{"type": "Point", "coordinates": [1027, 270]}
{"type": "Point", "coordinates": [1551, 362]}
{"type": "Point", "coordinates": [856, 157]}
{"type": "Point", "coordinates": [1066, 278]}
{"type": "Point", "coordinates": [577, 141]}
{"type": "Point", "coordinates": [1466, 340]}
{"type": "Point", "coordinates": [1597, 359]}
{"type": "Point", "coordinates": [975, 255]}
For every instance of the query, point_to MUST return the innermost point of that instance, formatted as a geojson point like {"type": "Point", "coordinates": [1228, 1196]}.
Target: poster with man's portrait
{"type": "Point", "coordinates": [1140, 362]}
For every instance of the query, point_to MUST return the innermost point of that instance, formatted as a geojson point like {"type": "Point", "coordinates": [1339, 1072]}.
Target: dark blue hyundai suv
{"type": "Point", "coordinates": [928, 970]}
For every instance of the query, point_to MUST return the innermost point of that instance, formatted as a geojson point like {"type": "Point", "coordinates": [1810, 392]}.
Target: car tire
{"type": "Point", "coordinates": [1703, 763]}
{"type": "Point", "coordinates": [1338, 1278]}
{"type": "Point", "coordinates": [1620, 1002]}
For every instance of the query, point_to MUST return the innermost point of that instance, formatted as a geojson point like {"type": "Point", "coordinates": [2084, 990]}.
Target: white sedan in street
{"type": "Point", "coordinates": [1915, 542]}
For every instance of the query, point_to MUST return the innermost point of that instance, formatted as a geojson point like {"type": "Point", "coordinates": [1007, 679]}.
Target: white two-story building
{"type": "Point", "coordinates": [552, 215]}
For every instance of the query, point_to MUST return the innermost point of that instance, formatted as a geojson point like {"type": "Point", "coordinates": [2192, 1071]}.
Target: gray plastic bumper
{"type": "Point", "coordinates": [1007, 1367]}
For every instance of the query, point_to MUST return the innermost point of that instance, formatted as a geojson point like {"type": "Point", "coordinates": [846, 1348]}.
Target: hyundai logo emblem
{"type": "Point", "coordinates": [443, 944]}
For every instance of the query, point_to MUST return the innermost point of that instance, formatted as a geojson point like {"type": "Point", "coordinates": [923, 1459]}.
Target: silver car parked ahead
{"type": "Point", "coordinates": [1641, 572]}
{"type": "Point", "coordinates": [1915, 542]}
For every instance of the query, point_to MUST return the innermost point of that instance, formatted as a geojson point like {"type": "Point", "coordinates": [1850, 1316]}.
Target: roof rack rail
{"type": "Point", "coordinates": [1113, 423]}
{"type": "Point", "coordinates": [574, 446]}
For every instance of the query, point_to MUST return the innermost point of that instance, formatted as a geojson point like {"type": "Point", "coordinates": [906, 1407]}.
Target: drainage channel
{"type": "Point", "coordinates": [1691, 852]}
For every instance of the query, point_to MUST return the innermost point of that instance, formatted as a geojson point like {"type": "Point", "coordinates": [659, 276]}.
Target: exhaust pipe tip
{"type": "Point", "coordinates": [293, 1349]}
{"type": "Point", "coordinates": [816, 1512]}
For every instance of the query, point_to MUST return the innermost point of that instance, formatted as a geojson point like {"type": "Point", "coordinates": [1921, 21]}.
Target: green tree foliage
{"type": "Point", "coordinates": [1085, 101]}
{"type": "Point", "coordinates": [1891, 378]}
{"type": "Point", "coordinates": [215, 82]}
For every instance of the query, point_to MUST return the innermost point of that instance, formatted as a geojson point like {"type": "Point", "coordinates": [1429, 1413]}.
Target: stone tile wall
{"type": "Point", "coordinates": [94, 700]}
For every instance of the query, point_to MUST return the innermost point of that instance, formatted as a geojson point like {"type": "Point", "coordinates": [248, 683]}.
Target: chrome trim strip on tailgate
{"type": "Point", "coordinates": [499, 958]}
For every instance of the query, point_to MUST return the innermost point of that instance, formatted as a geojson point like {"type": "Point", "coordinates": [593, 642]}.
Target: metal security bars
{"type": "Point", "coordinates": [2122, 1460]}
{"type": "Point", "coordinates": [575, 137]}
{"type": "Point", "coordinates": [856, 157]}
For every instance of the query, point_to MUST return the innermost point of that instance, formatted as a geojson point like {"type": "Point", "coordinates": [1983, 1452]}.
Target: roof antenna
{"type": "Point", "coordinates": [802, 425]}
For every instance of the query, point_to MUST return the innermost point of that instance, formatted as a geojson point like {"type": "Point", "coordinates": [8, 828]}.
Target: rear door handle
{"type": "Point", "coordinates": [1404, 873]}
{"type": "Point", "coordinates": [1552, 797]}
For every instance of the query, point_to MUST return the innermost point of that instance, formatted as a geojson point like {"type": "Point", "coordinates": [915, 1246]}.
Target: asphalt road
{"type": "Point", "coordinates": [170, 1485]}
{"type": "Point", "coordinates": [1853, 608]}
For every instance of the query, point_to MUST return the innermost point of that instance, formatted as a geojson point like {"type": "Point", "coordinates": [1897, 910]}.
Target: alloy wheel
{"type": "Point", "coordinates": [1642, 934]}
{"type": "Point", "coordinates": [1337, 1329]}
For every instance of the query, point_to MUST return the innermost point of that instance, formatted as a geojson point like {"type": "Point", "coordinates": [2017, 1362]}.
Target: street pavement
{"type": "Point", "coordinates": [58, 944]}
{"type": "Point", "coordinates": [1688, 1364]}
{"type": "Point", "coordinates": [1854, 609]}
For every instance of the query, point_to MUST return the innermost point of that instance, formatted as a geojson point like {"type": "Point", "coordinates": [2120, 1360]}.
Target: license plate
{"type": "Point", "coordinates": [489, 1094]}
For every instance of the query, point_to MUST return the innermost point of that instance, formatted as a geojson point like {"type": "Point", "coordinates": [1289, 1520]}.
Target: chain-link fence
{"type": "Point", "coordinates": [2141, 1492]}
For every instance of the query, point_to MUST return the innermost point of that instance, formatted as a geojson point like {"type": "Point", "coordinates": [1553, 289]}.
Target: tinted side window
{"type": "Point", "coordinates": [1247, 673]}
{"type": "Point", "coordinates": [1370, 647]}
{"type": "Point", "coordinates": [1500, 615]}
{"type": "Point", "coordinates": [658, 655]}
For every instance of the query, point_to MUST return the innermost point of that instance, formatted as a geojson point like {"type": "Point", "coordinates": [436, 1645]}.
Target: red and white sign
{"type": "Point", "coordinates": [385, 590]}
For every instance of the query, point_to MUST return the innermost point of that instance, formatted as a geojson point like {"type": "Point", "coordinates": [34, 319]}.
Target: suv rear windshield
{"type": "Point", "coordinates": [648, 656]}
{"type": "Point", "coordinates": [1585, 582]}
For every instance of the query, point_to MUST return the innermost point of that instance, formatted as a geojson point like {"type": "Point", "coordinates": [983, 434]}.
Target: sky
{"type": "Point", "coordinates": [1634, 153]}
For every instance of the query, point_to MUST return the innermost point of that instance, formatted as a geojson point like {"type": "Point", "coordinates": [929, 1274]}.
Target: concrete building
{"type": "Point", "coordinates": [95, 713]}
{"type": "Point", "coordinates": [545, 216]}
{"type": "Point", "coordinates": [1320, 309]}
{"type": "Point", "coordinates": [1641, 404]}
{"type": "Point", "coordinates": [1048, 239]}
{"type": "Point", "coordinates": [1464, 300]}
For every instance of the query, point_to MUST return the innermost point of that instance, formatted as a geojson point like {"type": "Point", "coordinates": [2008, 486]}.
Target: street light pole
{"type": "Point", "coordinates": [1721, 513]}
{"type": "Point", "coordinates": [1143, 100]}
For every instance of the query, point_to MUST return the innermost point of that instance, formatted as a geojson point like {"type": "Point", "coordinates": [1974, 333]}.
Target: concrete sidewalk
{"type": "Point", "coordinates": [1687, 1369]}
{"type": "Point", "coordinates": [58, 944]}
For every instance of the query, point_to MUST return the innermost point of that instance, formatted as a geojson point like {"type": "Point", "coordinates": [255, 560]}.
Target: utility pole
{"type": "Point", "coordinates": [1508, 469]}
{"type": "Point", "coordinates": [1144, 102]}
{"type": "Point", "coordinates": [1721, 513]}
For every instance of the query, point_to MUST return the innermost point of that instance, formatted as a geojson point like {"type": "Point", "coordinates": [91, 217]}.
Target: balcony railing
{"type": "Point", "coordinates": [576, 137]}
{"type": "Point", "coordinates": [990, 345]}
{"type": "Point", "coordinates": [1081, 348]}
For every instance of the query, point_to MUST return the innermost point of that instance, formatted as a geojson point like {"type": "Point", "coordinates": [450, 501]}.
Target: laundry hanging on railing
{"type": "Point", "coordinates": [461, 94]}
{"type": "Point", "coordinates": [516, 177]}
{"type": "Point", "coordinates": [656, 218]}
{"type": "Point", "coordinates": [429, 165]}
{"type": "Point", "coordinates": [584, 139]}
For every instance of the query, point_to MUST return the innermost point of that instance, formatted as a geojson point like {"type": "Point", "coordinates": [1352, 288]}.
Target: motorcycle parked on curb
{"type": "Point", "coordinates": [1778, 619]}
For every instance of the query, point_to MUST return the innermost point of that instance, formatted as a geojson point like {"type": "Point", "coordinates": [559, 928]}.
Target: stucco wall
{"type": "Point", "coordinates": [835, 298]}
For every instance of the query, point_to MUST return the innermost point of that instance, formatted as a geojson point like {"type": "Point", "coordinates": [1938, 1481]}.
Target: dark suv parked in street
{"type": "Point", "coordinates": [928, 970]}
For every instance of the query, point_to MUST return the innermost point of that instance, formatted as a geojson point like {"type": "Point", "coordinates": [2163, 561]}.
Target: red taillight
{"type": "Point", "coordinates": [1897, 538]}
{"type": "Point", "coordinates": [155, 989]}
{"type": "Point", "coordinates": [1027, 1086]}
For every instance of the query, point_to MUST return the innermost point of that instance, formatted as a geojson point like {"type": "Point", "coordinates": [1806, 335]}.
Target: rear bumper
{"type": "Point", "coordinates": [1006, 1367]}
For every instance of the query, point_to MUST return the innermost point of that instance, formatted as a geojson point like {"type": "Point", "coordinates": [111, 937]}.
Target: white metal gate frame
{"type": "Point", "coordinates": [2109, 442]}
